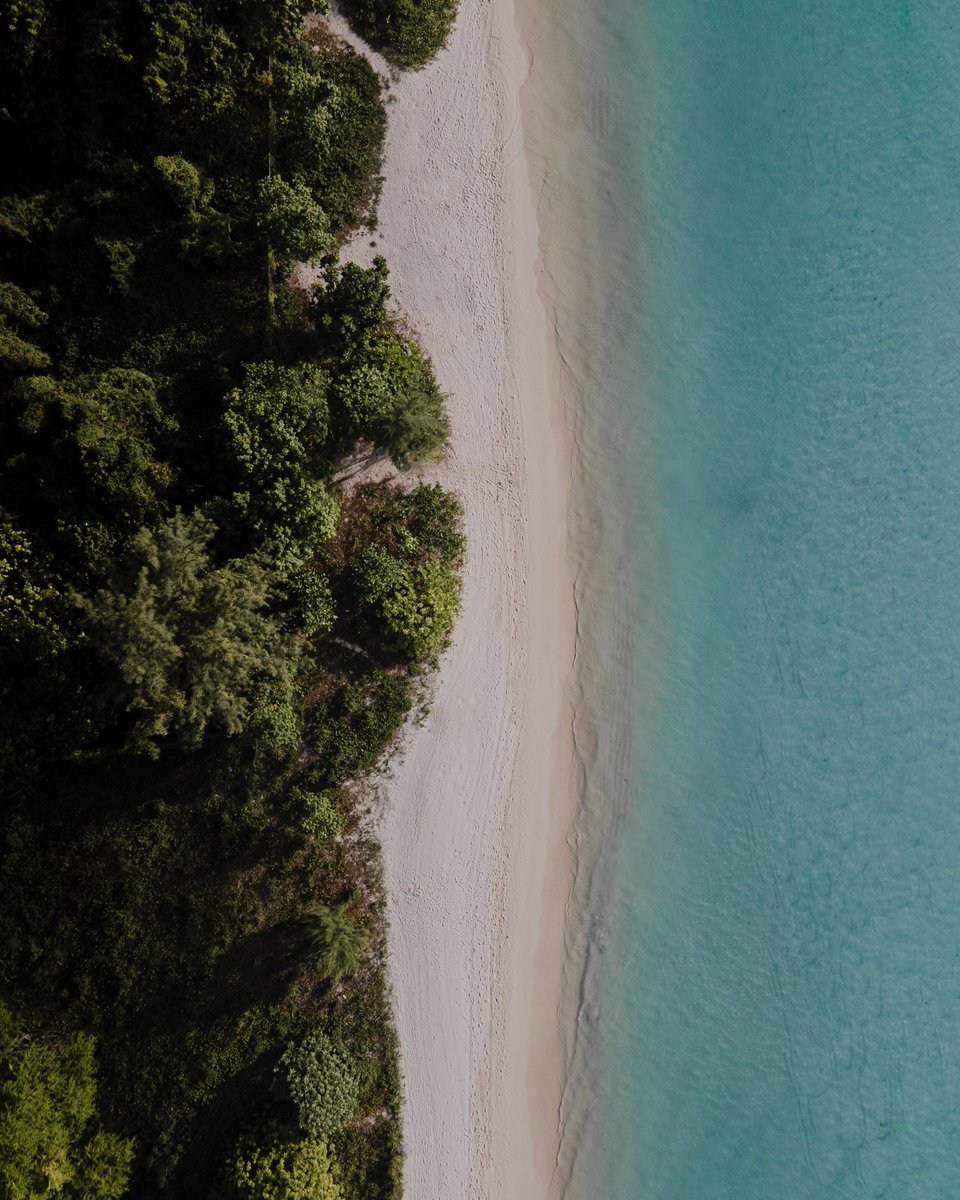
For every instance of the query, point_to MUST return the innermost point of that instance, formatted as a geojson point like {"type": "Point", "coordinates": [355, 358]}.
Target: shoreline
{"type": "Point", "coordinates": [482, 799]}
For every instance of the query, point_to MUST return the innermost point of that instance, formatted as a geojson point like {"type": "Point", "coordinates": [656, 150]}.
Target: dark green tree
{"type": "Point", "coordinates": [277, 425]}
{"type": "Point", "coordinates": [191, 643]}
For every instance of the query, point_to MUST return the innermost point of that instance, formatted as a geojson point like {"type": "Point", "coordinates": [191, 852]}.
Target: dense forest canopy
{"type": "Point", "coordinates": [205, 641]}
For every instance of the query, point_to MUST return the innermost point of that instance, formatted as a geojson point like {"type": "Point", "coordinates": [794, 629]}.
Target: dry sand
{"type": "Point", "coordinates": [478, 808]}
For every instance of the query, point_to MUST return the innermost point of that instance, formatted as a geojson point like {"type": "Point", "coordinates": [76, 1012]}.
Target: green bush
{"type": "Point", "coordinates": [319, 816]}
{"type": "Point", "coordinates": [49, 1146]}
{"type": "Point", "coordinates": [281, 1170]}
{"type": "Point", "coordinates": [415, 604]}
{"type": "Point", "coordinates": [433, 518]}
{"type": "Point", "coordinates": [313, 607]}
{"type": "Point", "coordinates": [276, 426]}
{"type": "Point", "coordinates": [318, 1078]}
{"type": "Point", "coordinates": [360, 722]}
{"type": "Point", "coordinates": [276, 722]}
{"type": "Point", "coordinates": [408, 32]}
{"type": "Point", "coordinates": [414, 424]}
{"type": "Point", "coordinates": [337, 939]}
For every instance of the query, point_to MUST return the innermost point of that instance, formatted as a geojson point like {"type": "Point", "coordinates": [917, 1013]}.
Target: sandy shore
{"type": "Point", "coordinates": [477, 813]}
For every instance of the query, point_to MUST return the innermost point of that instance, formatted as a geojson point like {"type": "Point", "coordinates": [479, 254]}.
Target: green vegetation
{"type": "Point", "coordinates": [408, 32]}
{"type": "Point", "coordinates": [285, 1169]}
{"type": "Point", "coordinates": [205, 643]}
{"type": "Point", "coordinates": [50, 1143]}
{"type": "Point", "coordinates": [336, 939]}
{"type": "Point", "coordinates": [321, 1084]}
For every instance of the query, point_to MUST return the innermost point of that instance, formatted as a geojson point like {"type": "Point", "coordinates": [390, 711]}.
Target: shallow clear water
{"type": "Point", "coordinates": [771, 1008]}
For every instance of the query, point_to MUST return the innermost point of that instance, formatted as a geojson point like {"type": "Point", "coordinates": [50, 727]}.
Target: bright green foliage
{"type": "Point", "coordinates": [390, 397]}
{"type": "Point", "coordinates": [293, 223]}
{"type": "Point", "coordinates": [102, 1169]}
{"type": "Point", "coordinates": [414, 425]}
{"type": "Point", "coordinates": [19, 315]}
{"type": "Point", "coordinates": [276, 722]}
{"type": "Point", "coordinates": [189, 191]}
{"type": "Point", "coordinates": [277, 424]}
{"type": "Point", "coordinates": [184, 182]}
{"type": "Point", "coordinates": [190, 641]}
{"type": "Point", "coordinates": [338, 941]}
{"type": "Point", "coordinates": [341, 164]}
{"type": "Point", "coordinates": [320, 818]}
{"type": "Point", "coordinates": [350, 305]}
{"type": "Point", "coordinates": [281, 1170]}
{"type": "Point", "coordinates": [49, 1146]}
{"type": "Point", "coordinates": [408, 32]}
{"type": "Point", "coordinates": [318, 1078]}
{"type": "Point", "coordinates": [386, 392]}
{"type": "Point", "coordinates": [416, 604]}
{"type": "Point", "coordinates": [432, 518]}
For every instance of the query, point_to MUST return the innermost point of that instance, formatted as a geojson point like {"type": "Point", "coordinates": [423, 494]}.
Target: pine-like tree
{"type": "Point", "coordinates": [191, 643]}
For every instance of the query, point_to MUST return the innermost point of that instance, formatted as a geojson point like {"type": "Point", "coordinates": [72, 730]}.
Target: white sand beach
{"type": "Point", "coordinates": [479, 807]}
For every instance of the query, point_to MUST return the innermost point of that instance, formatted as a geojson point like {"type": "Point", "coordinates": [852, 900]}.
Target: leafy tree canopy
{"type": "Point", "coordinates": [50, 1145]}
{"type": "Point", "coordinates": [191, 643]}
{"type": "Point", "coordinates": [277, 424]}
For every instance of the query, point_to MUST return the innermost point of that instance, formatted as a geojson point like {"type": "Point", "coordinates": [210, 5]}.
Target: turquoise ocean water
{"type": "Point", "coordinates": [771, 1006]}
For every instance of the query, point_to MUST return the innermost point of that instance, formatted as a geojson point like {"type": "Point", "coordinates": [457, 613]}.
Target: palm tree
{"type": "Point", "coordinates": [337, 939]}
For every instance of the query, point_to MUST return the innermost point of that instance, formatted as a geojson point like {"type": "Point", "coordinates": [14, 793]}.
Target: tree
{"type": "Point", "coordinates": [31, 607]}
{"type": "Point", "coordinates": [49, 1143]}
{"type": "Point", "coordinates": [277, 424]}
{"type": "Point", "coordinates": [281, 1170]}
{"type": "Point", "coordinates": [337, 939]}
{"type": "Point", "coordinates": [293, 223]}
{"type": "Point", "coordinates": [351, 303]}
{"type": "Point", "coordinates": [102, 433]}
{"type": "Point", "coordinates": [386, 391]}
{"type": "Point", "coordinates": [318, 1078]}
{"type": "Point", "coordinates": [313, 607]}
{"type": "Point", "coordinates": [191, 642]}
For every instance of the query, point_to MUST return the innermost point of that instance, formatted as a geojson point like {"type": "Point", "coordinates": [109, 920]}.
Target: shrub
{"type": "Point", "coordinates": [276, 425]}
{"type": "Point", "coordinates": [337, 939]}
{"type": "Point", "coordinates": [313, 607]}
{"type": "Point", "coordinates": [408, 32]}
{"type": "Point", "coordinates": [362, 720]}
{"type": "Point", "coordinates": [301, 1170]}
{"type": "Point", "coordinates": [319, 1080]}
{"type": "Point", "coordinates": [276, 723]}
{"type": "Point", "coordinates": [433, 518]}
{"type": "Point", "coordinates": [319, 816]}
{"type": "Point", "coordinates": [48, 1145]}
{"type": "Point", "coordinates": [416, 604]}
